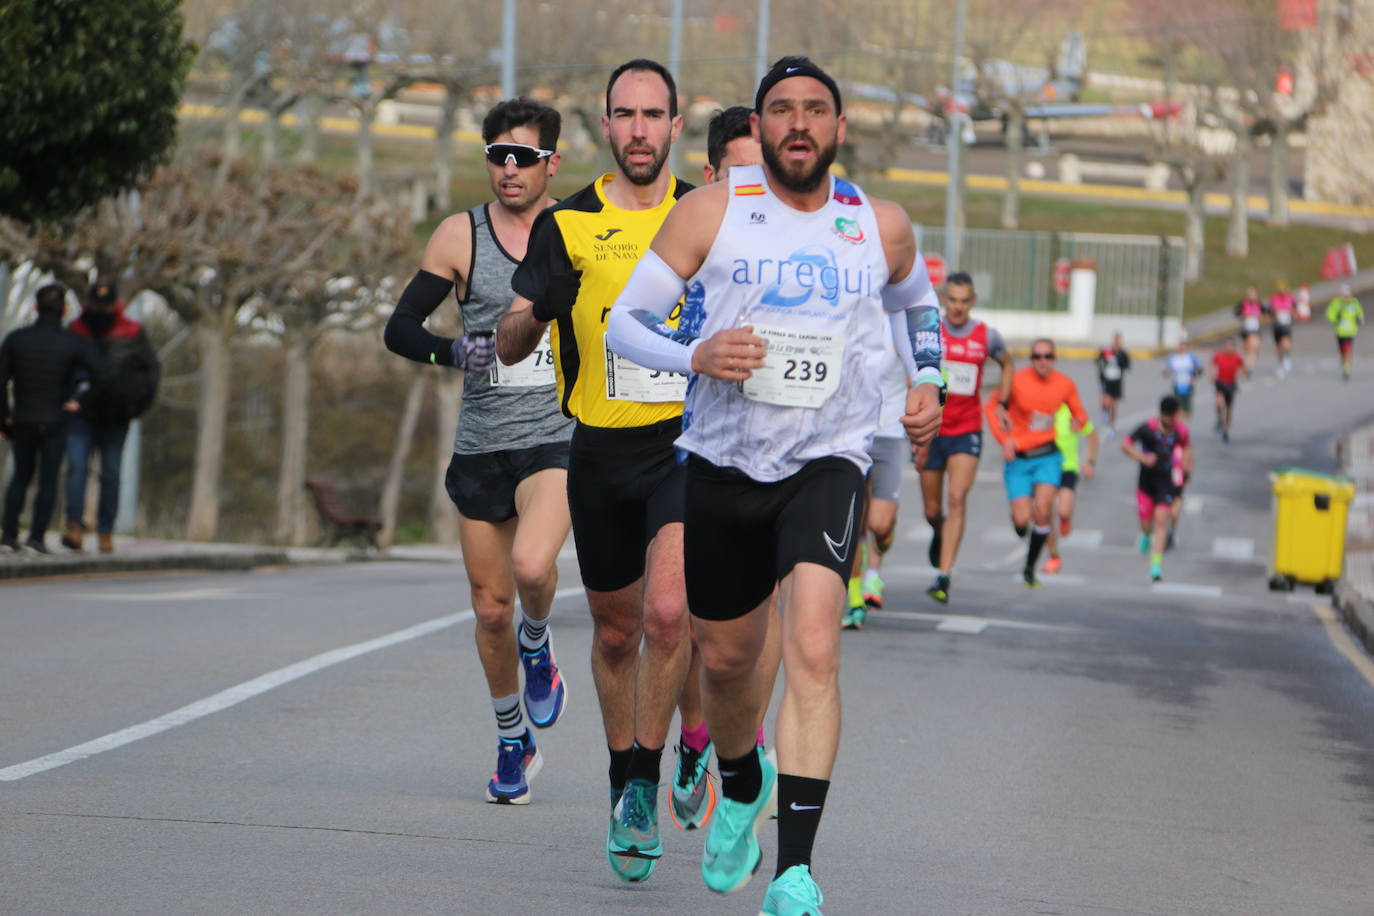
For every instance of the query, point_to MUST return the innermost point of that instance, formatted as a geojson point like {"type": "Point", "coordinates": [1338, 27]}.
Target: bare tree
{"type": "Point", "coordinates": [345, 287]}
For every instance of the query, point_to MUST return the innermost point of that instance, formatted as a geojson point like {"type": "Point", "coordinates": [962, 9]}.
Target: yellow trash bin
{"type": "Point", "coordinates": [1310, 510]}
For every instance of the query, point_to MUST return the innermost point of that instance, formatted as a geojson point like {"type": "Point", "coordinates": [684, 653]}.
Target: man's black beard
{"type": "Point", "coordinates": [641, 174]}
{"type": "Point", "coordinates": [809, 180]}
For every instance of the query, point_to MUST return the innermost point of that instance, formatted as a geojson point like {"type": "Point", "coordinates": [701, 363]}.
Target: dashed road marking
{"type": "Point", "coordinates": [965, 623]}
{"type": "Point", "coordinates": [1184, 588]}
{"type": "Point", "coordinates": [1233, 548]}
{"type": "Point", "coordinates": [186, 594]}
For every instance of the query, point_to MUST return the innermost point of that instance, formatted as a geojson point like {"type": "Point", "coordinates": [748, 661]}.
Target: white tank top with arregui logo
{"type": "Point", "coordinates": [810, 284]}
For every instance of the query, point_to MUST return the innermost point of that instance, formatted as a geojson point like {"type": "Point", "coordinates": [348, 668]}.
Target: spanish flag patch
{"type": "Point", "coordinates": [748, 190]}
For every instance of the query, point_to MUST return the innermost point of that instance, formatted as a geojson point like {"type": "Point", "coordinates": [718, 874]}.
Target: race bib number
{"type": "Point", "coordinates": [1283, 317]}
{"type": "Point", "coordinates": [534, 371]}
{"type": "Point", "coordinates": [1111, 371]}
{"type": "Point", "coordinates": [800, 368]}
{"type": "Point", "coordinates": [962, 378]}
{"type": "Point", "coordinates": [1039, 422]}
{"type": "Point", "coordinates": [627, 380]}
{"type": "Point", "coordinates": [1183, 381]}
{"type": "Point", "coordinates": [1250, 323]}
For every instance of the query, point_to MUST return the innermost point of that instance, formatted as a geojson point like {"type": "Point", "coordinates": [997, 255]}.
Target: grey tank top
{"type": "Point", "coordinates": [496, 419]}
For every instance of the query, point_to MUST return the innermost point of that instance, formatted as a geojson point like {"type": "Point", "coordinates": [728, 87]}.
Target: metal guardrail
{"type": "Point", "coordinates": [1137, 275]}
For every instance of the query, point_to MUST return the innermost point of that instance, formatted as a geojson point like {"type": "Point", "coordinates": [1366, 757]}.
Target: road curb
{"type": "Point", "coordinates": [1358, 612]}
{"type": "Point", "coordinates": [77, 565]}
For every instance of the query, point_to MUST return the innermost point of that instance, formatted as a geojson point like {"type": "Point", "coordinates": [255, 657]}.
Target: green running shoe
{"type": "Point", "coordinates": [731, 854]}
{"type": "Point", "coordinates": [873, 589]}
{"type": "Point", "coordinates": [793, 893]}
{"type": "Point", "coordinates": [632, 843]}
{"type": "Point", "coordinates": [854, 618]}
{"type": "Point", "coordinates": [694, 795]}
{"type": "Point", "coordinates": [939, 589]}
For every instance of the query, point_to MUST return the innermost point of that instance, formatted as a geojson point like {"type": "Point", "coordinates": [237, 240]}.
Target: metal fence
{"type": "Point", "coordinates": [1137, 275]}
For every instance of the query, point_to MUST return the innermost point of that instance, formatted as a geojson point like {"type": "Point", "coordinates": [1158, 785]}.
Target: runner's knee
{"type": "Point", "coordinates": [665, 616]}
{"type": "Point", "coordinates": [532, 572]}
{"type": "Point", "coordinates": [494, 608]}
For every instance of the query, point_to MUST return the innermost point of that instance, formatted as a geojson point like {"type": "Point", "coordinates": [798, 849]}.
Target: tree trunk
{"type": "Point", "coordinates": [271, 137]}
{"type": "Point", "coordinates": [443, 517]}
{"type": "Point", "coordinates": [443, 152]}
{"type": "Point", "coordinates": [365, 159]}
{"type": "Point", "coordinates": [1238, 226]}
{"type": "Point", "coordinates": [1011, 201]}
{"type": "Point", "coordinates": [405, 434]}
{"type": "Point", "coordinates": [291, 503]}
{"type": "Point", "coordinates": [1278, 176]}
{"type": "Point", "coordinates": [212, 415]}
{"type": "Point", "coordinates": [1193, 235]}
{"type": "Point", "coordinates": [310, 111]}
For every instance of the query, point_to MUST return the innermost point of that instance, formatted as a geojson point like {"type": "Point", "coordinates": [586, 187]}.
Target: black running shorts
{"type": "Point", "coordinates": [1068, 480]}
{"type": "Point", "coordinates": [743, 536]}
{"type": "Point", "coordinates": [1227, 392]}
{"type": "Point", "coordinates": [623, 486]}
{"type": "Point", "coordinates": [483, 486]}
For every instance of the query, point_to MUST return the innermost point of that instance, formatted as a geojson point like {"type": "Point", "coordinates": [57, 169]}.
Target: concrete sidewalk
{"type": "Point", "coordinates": [1355, 592]}
{"type": "Point", "coordinates": [153, 555]}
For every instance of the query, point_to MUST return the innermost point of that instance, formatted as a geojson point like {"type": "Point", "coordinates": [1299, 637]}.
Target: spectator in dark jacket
{"type": "Point", "coordinates": [104, 419]}
{"type": "Point", "coordinates": [51, 369]}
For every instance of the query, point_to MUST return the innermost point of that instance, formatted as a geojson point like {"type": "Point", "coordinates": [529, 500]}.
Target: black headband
{"type": "Point", "coordinates": [786, 69]}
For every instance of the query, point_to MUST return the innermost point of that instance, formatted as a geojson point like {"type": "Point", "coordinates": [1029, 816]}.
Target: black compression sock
{"type": "Point", "coordinates": [644, 763]}
{"type": "Point", "coordinates": [1037, 541]}
{"type": "Point", "coordinates": [741, 778]}
{"type": "Point", "coordinates": [620, 767]}
{"type": "Point", "coordinates": [801, 802]}
{"type": "Point", "coordinates": [1020, 530]}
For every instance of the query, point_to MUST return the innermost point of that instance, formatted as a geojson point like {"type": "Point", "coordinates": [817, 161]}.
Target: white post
{"type": "Point", "coordinates": [1082, 301]}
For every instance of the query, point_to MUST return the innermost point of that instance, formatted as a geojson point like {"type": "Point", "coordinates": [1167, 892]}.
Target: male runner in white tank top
{"type": "Point", "coordinates": [795, 283]}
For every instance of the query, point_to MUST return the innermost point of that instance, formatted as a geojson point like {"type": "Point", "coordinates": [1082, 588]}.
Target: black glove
{"type": "Point", "coordinates": [559, 295]}
{"type": "Point", "coordinates": [474, 352]}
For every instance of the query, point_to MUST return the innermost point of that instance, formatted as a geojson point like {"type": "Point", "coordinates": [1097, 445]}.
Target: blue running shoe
{"type": "Point", "coordinates": [793, 893]}
{"type": "Point", "coordinates": [546, 695]}
{"type": "Point", "coordinates": [633, 844]}
{"type": "Point", "coordinates": [731, 855]}
{"type": "Point", "coordinates": [694, 796]}
{"type": "Point", "coordinates": [517, 762]}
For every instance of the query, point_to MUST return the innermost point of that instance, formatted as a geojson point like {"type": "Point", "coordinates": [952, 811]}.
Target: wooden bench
{"type": "Point", "coordinates": [339, 523]}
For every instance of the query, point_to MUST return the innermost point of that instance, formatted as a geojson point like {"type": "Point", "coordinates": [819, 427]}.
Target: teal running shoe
{"type": "Point", "coordinates": [1143, 544]}
{"type": "Point", "coordinates": [632, 843]}
{"type": "Point", "coordinates": [873, 589]}
{"type": "Point", "coordinates": [854, 618]}
{"type": "Point", "coordinates": [1156, 572]}
{"type": "Point", "coordinates": [731, 855]}
{"type": "Point", "coordinates": [694, 796]}
{"type": "Point", "coordinates": [793, 893]}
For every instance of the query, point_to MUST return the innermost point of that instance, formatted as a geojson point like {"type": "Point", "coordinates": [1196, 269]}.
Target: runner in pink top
{"type": "Point", "coordinates": [1250, 310]}
{"type": "Point", "coordinates": [1282, 308]}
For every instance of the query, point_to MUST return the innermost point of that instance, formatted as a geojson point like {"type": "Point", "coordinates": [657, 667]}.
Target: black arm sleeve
{"type": "Point", "coordinates": [545, 255]}
{"type": "Point", "coordinates": [405, 331]}
{"type": "Point", "coordinates": [1125, 360]}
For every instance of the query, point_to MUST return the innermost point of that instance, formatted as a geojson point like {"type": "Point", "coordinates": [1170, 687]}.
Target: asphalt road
{"type": "Point", "coordinates": [317, 740]}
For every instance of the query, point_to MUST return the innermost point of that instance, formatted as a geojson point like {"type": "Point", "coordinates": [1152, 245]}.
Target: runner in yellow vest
{"type": "Point", "coordinates": [1067, 441]}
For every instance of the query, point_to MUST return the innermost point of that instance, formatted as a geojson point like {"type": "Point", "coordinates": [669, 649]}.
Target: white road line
{"type": "Point", "coordinates": [237, 694]}
{"type": "Point", "coordinates": [1183, 588]}
{"type": "Point", "coordinates": [1233, 548]}
{"type": "Point", "coordinates": [970, 625]}
{"type": "Point", "coordinates": [1060, 578]}
{"type": "Point", "coordinates": [954, 623]}
{"type": "Point", "coordinates": [186, 594]}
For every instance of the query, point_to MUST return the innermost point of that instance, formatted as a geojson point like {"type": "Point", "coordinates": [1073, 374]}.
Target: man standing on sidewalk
{"type": "Point", "coordinates": [44, 361]}
{"type": "Point", "coordinates": [103, 423]}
